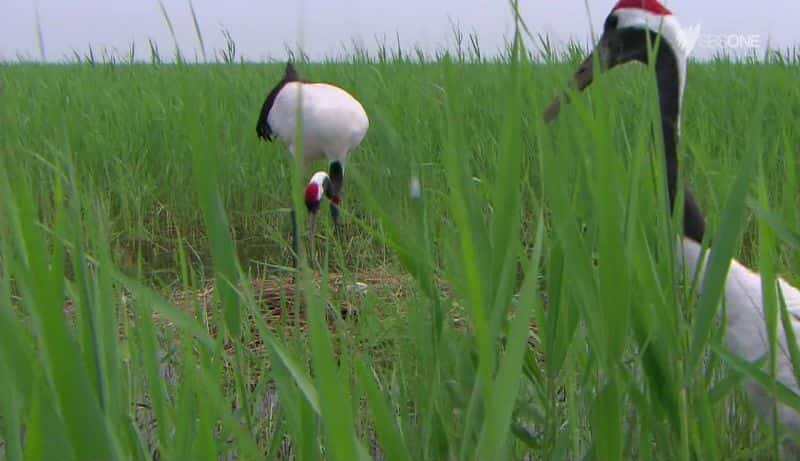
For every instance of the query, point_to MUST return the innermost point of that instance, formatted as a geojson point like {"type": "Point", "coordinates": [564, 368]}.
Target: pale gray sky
{"type": "Point", "coordinates": [261, 28]}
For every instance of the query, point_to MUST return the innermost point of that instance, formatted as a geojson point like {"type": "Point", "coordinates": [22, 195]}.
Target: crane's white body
{"type": "Point", "coordinates": [328, 122]}
{"type": "Point", "coordinates": [333, 122]}
{"type": "Point", "coordinates": [746, 328]}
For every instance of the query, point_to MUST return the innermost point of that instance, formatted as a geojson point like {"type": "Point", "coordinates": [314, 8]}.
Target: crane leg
{"type": "Point", "coordinates": [336, 173]}
{"type": "Point", "coordinates": [295, 237]}
{"type": "Point", "coordinates": [295, 241]}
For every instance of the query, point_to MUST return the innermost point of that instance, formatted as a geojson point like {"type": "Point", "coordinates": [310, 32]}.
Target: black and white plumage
{"type": "Point", "coordinates": [333, 124]}
{"type": "Point", "coordinates": [625, 38]}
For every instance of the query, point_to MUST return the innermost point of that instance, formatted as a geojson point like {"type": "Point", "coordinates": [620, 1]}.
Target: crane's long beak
{"type": "Point", "coordinates": [583, 76]}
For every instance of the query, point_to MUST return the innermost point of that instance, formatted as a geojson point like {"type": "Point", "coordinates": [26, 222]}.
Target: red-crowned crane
{"type": "Point", "coordinates": [333, 123]}
{"type": "Point", "coordinates": [628, 29]}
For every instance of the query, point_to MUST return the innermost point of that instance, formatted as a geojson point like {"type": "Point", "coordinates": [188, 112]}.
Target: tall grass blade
{"type": "Point", "coordinates": [392, 442]}
{"type": "Point", "coordinates": [335, 406]}
{"type": "Point", "coordinates": [497, 423]}
{"type": "Point", "coordinates": [197, 31]}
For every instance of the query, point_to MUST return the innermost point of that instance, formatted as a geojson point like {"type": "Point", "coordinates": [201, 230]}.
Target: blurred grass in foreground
{"type": "Point", "coordinates": [122, 185]}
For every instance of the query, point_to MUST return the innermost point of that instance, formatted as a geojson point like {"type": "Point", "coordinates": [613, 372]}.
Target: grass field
{"type": "Point", "coordinates": [524, 305]}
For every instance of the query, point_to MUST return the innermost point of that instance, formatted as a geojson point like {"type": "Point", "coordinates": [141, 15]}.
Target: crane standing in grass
{"type": "Point", "coordinates": [628, 29]}
{"type": "Point", "coordinates": [332, 122]}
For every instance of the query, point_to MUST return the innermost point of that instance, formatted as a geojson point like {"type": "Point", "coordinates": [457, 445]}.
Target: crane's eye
{"type": "Point", "coordinates": [611, 23]}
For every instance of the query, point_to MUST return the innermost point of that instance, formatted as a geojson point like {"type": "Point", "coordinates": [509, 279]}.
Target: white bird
{"type": "Point", "coordinates": [625, 38]}
{"type": "Point", "coordinates": [333, 124]}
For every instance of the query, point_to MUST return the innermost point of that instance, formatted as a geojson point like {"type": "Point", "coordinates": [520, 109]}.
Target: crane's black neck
{"type": "Point", "coordinates": [668, 78]}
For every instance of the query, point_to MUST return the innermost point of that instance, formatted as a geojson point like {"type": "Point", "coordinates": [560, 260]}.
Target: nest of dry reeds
{"type": "Point", "coordinates": [281, 302]}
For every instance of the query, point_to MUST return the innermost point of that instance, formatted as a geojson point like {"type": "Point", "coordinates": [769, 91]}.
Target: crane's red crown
{"type": "Point", "coordinates": [651, 6]}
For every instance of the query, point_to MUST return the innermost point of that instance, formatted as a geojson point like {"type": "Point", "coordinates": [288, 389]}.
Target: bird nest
{"type": "Point", "coordinates": [281, 303]}
{"type": "Point", "coordinates": [282, 306]}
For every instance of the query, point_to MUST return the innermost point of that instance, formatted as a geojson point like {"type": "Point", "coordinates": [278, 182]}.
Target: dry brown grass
{"type": "Point", "coordinates": [281, 303]}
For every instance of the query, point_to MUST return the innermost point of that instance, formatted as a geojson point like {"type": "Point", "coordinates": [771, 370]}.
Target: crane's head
{"type": "Point", "coordinates": [630, 31]}
{"type": "Point", "coordinates": [320, 185]}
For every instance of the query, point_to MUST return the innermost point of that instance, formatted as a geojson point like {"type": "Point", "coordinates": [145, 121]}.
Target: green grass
{"type": "Point", "coordinates": [125, 186]}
